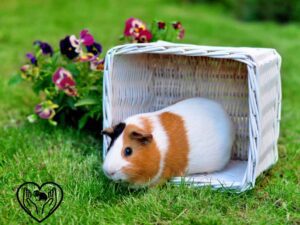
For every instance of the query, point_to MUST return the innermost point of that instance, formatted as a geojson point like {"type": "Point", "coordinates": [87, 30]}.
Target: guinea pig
{"type": "Point", "coordinates": [192, 136]}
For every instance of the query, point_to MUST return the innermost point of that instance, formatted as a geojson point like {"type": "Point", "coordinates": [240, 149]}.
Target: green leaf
{"type": "Point", "coordinates": [15, 79]}
{"type": "Point", "coordinates": [90, 100]}
{"type": "Point", "coordinates": [55, 58]}
{"type": "Point", "coordinates": [70, 102]}
{"type": "Point", "coordinates": [32, 118]}
{"type": "Point", "coordinates": [52, 122]}
{"type": "Point", "coordinates": [73, 69]}
{"type": "Point", "coordinates": [83, 120]}
{"type": "Point", "coordinates": [41, 84]}
{"type": "Point", "coordinates": [94, 88]}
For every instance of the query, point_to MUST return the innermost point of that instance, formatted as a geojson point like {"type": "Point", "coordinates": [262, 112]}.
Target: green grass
{"type": "Point", "coordinates": [41, 153]}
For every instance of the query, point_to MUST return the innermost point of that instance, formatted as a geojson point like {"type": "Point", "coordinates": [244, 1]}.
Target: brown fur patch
{"type": "Point", "coordinates": [176, 159]}
{"type": "Point", "coordinates": [145, 158]}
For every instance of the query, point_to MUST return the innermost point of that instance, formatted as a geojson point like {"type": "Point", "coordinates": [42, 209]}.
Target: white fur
{"type": "Point", "coordinates": [210, 133]}
{"type": "Point", "coordinates": [210, 137]}
{"type": "Point", "coordinates": [114, 161]}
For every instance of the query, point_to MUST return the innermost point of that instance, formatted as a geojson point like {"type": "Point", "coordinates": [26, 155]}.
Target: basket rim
{"type": "Point", "coordinates": [245, 55]}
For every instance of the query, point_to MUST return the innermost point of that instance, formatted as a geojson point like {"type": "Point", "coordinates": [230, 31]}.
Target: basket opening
{"type": "Point", "coordinates": [149, 82]}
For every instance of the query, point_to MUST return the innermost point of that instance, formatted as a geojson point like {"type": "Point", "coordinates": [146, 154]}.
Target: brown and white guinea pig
{"type": "Point", "coordinates": [192, 136]}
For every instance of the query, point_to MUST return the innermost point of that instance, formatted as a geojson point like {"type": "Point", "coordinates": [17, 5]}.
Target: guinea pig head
{"type": "Point", "coordinates": [132, 155]}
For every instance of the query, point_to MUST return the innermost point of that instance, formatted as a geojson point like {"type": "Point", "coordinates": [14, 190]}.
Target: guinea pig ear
{"type": "Point", "coordinates": [108, 131]}
{"type": "Point", "coordinates": [142, 137]}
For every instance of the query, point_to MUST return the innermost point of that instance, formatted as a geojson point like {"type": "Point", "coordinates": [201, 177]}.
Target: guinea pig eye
{"type": "Point", "coordinates": [128, 151]}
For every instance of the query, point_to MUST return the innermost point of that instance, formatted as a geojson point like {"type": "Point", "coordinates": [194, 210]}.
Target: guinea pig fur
{"type": "Point", "coordinates": [192, 136]}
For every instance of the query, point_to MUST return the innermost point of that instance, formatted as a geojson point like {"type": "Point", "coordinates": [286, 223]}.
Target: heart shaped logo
{"type": "Point", "coordinates": [40, 202]}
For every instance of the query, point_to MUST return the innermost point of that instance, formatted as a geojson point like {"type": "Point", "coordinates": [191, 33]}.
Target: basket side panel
{"type": "Point", "coordinates": [149, 82]}
{"type": "Point", "coordinates": [270, 106]}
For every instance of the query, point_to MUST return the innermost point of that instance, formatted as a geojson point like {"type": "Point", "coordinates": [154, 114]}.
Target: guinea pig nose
{"type": "Point", "coordinates": [111, 173]}
{"type": "Point", "coordinates": [107, 172]}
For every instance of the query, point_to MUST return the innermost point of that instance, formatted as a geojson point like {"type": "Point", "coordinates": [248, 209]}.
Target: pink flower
{"type": "Point", "coordinates": [144, 36]}
{"type": "Point", "coordinates": [25, 68]}
{"type": "Point", "coordinates": [86, 38]}
{"type": "Point", "coordinates": [177, 25]}
{"type": "Point", "coordinates": [133, 27]}
{"type": "Point", "coordinates": [64, 80]}
{"type": "Point", "coordinates": [161, 25]}
{"type": "Point", "coordinates": [45, 110]}
{"type": "Point", "coordinates": [181, 31]}
{"type": "Point", "coordinates": [71, 91]}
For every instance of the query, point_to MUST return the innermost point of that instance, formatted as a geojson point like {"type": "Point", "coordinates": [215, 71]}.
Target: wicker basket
{"type": "Point", "coordinates": [246, 81]}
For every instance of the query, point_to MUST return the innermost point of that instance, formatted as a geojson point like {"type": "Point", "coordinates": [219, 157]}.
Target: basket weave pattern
{"type": "Point", "coordinates": [147, 77]}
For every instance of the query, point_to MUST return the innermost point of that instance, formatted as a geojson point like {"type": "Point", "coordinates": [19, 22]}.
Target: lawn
{"type": "Point", "coordinates": [43, 153]}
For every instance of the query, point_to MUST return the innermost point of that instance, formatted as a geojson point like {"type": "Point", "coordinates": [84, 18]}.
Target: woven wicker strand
{"type": "Point", "coordinates": [246, 81]}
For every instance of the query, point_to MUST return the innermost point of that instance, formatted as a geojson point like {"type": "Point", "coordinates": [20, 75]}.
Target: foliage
{"type": "Point", "coordinates": [276, 10]}
{"type": "Point", "coordinates": [66, 80]}
{"type": "Point", "coordinates": [250, 10]}
{"type": "Point", "coordinates": [43, 153]}
{"type": "Point", "coordinates": [69, 80]}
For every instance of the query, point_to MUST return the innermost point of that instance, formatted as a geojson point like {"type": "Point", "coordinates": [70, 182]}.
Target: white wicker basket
{"type": "Point", "coordinates": [246, 81]}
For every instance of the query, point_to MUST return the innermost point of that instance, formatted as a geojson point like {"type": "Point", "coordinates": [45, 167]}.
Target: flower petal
{"type": "Point", "coordinates": [86, 57]}
{"type": "Point", "coordinates": [144, 36]}
{"type": "Point", "coordinates": [70, 47]}
{"type": "Point", "coordinates": [45, 47]}
{"type": "Point", "coordinates": [86, 38]}
{"type": "Point", "coordinates": [97, 65]}
{"type": "Point", "coordinates": [181, 33]}
{"type": "Point", "coordinates": [25, 68]}
{"type": "Point", "coordinates": [32, 58]}
{"type": "Point", "coordinates": [95, 49]}
{"type": "Point", "coordinates": [62, 78]}
{"type": "Point", "coordinates": [71, 91]}
{"type": "Point", "coordinates": [47, 114]}
{"type": "Point", "coordinates": [133, 26]}
{"type": "Point", "coordinates": [38, 108]}
{"type": "Point", "coordinates": [161, 25]}
{"type": "Point", "coordinates": [177, 25]}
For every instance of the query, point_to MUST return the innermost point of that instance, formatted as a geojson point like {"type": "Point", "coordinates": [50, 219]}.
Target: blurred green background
{"type": "Point", "coordinates": [260, 10]}
{"type": "Point", "coordinates": [42, 153]}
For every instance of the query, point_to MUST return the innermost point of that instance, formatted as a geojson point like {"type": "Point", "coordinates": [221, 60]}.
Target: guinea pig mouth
{"type": "Point", "coordinates": [117, 176]}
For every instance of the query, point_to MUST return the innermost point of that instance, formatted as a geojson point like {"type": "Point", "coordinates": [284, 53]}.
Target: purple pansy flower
{"type": "Point", "coordinates": [32, 58]}
{"type": "Point", "coordinates": [97, 65]}
{"type": "Point", "coordinates": [70, 47]}
{"type": "Point", "coordinates": [86, 38]}
{"type": "Point", "coordinates": [95, 49]}
{"type": "Point", "coordinates": [64, 80]}
{"type": "Point", "coordinates": [45, 47]}
{"type": "Point", "coordinates": [45, 110]}
{"type": "Point", "coordinates": [44, 113]}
